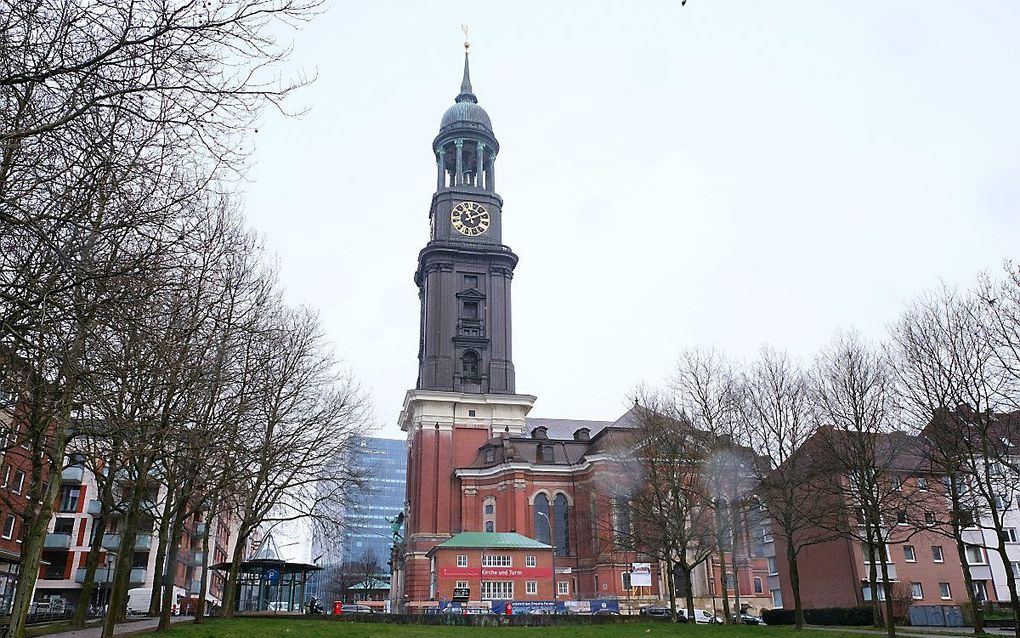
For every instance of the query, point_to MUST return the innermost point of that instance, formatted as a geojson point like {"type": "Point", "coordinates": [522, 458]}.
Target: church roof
{"type": "Point", "coordinates": [492, 540]}
{"type": "Point", "coordinates": [564, 428]}
{"type": "Point", "coordinates": [466, 111]}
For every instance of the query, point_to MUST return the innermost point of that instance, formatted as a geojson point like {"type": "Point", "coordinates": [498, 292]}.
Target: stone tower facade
{"type": "Point", "coordinates": [465, 392]}
{"type": "Point", "coordinates": [464, 272]}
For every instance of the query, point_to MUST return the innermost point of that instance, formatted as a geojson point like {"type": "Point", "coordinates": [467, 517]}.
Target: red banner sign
{"type": "Point", "coordinates": [495, 572]}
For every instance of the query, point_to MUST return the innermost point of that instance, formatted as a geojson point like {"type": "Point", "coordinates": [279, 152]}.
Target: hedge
{"type": "Point", "coordinates": [856, 616]}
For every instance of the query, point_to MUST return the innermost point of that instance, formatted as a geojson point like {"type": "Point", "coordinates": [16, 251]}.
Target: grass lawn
{"type": "Point", "coordinates": [288, 628]}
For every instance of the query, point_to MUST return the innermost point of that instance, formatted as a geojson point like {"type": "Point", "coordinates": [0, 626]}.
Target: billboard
{"type": "Point", "coordinates": [641, 575]}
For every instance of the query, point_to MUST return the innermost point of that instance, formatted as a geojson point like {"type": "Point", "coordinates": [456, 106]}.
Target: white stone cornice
{"type": "Point", "coordinates": [495, 412]}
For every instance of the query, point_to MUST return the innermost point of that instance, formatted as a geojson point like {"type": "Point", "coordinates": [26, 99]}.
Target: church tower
{"type": "Point", "coordinates": [466, 389]}
{"type": "Point", "coordinates": [464, 272]}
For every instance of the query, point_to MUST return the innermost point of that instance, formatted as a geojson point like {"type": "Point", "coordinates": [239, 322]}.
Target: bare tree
{"type": "Point", "coordinates": [852, 395]}
{"type": "Point", "coordinates": [952, 355]}
{"type": "Point", "coordinates": [775, 412]}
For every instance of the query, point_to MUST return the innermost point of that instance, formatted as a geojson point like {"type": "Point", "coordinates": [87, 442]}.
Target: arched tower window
{"type": "Point", "coordinates": [542, 532]}
{"type": "Point", "coordinates": [489, 514]}
{"type": "Point", "coordinates": [469, 364]}
{"type": "Point", "coordinates": [561, 524]}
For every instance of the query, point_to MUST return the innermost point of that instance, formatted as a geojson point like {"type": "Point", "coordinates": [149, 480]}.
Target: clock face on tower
{"type": "Point", "coordinates": [470, 218]}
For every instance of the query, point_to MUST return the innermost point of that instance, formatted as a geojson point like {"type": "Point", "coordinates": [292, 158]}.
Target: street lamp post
{"type": "Point", "coordinates": [551, 542]}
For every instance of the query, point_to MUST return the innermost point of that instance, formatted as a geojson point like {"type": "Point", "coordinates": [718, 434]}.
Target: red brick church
{"type": "Point", "coordinates": [499, 504]}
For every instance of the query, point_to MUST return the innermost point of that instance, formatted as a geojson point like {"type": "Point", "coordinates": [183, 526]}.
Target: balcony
{"type": "Point", "coordinates": [72, 474]}
{"type": "Point", "coordinates": [57, 541]}
{"type": "Point", "coordinates": [53, 572]}
{"type": "Point", "coordinates": [104, 575]}
{"type": "Point", "coordinates": [142, 541]}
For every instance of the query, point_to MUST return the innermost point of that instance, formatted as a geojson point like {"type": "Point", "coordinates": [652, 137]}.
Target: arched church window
{"type": "Point", "coordinates": [469, 364]}
{"type": "Point", "coordinates": [541, 508]}
{"type": "Point", "coordinates": [561, 525]}
{"type": "Point", "coordinates": [489, 514]}
{"type": "Point", "coordinates": [622, 526]}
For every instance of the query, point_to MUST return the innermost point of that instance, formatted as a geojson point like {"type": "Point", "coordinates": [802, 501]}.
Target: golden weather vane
{"type": "Point", "coordinates": [467, 40]}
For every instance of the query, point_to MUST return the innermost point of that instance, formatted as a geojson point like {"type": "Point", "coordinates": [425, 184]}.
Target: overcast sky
{"type": "Point", "coordinates": [723, 174]}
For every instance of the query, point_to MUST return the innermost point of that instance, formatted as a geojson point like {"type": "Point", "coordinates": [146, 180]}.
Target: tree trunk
{"type": "Point", "coordinates": [1011, 585]}
{"type": "Point", "coordinates": [37, 523]}
{"type": "Point", "coordinates": [170, 574]}
{"type": "Point", "coordinates": [890, 619]}
{"type": "Point", "coordinates": [690, 592]}
{"type": "Point", "coordinates": [91, 565]}
{"type": "Point", "coordinates": [204, 588]}
{"type": "Point", "coordinates": [734, 560]}
{"type": "Point", "coordinates": [671, 588]}
{"type": "Point", "coordinates": [125, 556]}
{"type": "Point", "coordinates": [229, 593]}
{"type": "Point", "coordinates": [156, 599]}
{"type": "Point", "coordinates": [961, 551]}
{"type": "Point", "coordinates": [722, 566]}
{"type": "Point", "coordinates": [798, 605]}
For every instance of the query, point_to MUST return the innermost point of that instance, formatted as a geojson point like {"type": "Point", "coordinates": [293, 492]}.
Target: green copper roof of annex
{"type": "Point", "coordinates": [493, 540]}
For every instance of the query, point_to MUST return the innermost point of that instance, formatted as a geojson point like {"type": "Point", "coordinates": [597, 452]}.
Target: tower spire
{"type": "Point", "coordinates": [466, 93]}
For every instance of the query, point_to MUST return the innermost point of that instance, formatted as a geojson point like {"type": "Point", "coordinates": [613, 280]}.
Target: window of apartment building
{"type": "Point", "coordinates": [19, 482]}
{"type": "Point", "coordinates": [908, 554]}
{"type": "Point", "coordinates": [63, 526]}
{"type": "Point", "coordinates": [758, 585]}
{"type": "Point", "coordinates": [1008, 535]}
{"type": "Point", "coordinates": [773, 568]}
{"type": "Point", "coordinates": [922, 483]}
{"type": "Point", "coordinates": [897, 482]}
{"type": "Point", "coordinates": [461, 560]}
{"type": "Point", "coordinates": [777, 599]}
{"type": "Point", "coordinates": [563, 588]}
{"type": "Point", "coordinates": [975, 555]}
{"type": "Point", "coordinates": [461, 584]}
{"type": "Point", "coordinates": [866, 590]}
{"type": "Point", "coordinates": [916, 592]}
{"type": "Point", "coordinates": [7, 476]}
{"type": "Point", "coordinates": [936, 554]}
{"type": "Point", "coordinates": [1015, 566]}
{"type": "Point", "coordinates": [929, 518]}
{"type": "Point", "coordinates": [766, 534]}
{"type": "Point", "coordinates": [871, 553]}
{"type": "Point", "coordinates": [69, 495]}
{"type": "Point", "coordinates": [497, 560]}
{"type": "Point", "coordinates": [8, 531]}
{"type": "Point", "coordinates": [497, 590]}
{"type": "Point", "coordinates": [980, 592]}
{"type": "Point", "coordinates": [531, 561]}
{"type": "Point", "coordinates": [901, 517]}
{"type": "Point", "coordinates": [944, 592]}
{"type": "Point", "coordinates": [531, 588]}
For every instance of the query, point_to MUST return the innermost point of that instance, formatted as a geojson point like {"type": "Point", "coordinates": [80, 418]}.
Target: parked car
{"type": "Point", "coordinates": [661, 612]}
{"type": "Point", "coordinates": [747, 619]}
{"type": "Point", "coordinates": [701, 617]}
{"type": "Point", "coordinates": [606, 612]}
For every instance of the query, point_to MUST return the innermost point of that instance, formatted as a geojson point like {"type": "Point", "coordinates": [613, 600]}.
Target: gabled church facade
{"type": "Point", "coordinates": [476, 462]}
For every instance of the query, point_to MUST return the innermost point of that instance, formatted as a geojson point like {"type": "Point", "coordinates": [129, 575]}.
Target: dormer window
{"type": "Point", "coordinates": [545, 453]}
{"type": "Point", "coordinates": [541, 432]}
{"type": "Point", "coordinates": [490, 455]}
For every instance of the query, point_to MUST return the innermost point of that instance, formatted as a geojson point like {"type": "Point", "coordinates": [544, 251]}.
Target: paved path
{"type": "Point", "coordinates": [919, 632]}
{"type": "Point", "coordinates": [123, 629]}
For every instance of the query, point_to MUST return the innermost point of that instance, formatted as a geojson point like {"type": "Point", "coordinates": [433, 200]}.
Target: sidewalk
{"type": "Point", "coordinates": [123, 629]}
{"type": "Point", "coordinates": [918, 632]}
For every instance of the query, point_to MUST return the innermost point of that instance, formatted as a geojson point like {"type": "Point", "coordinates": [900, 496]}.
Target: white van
{"type": "Point", "coordinates": [701, 616]}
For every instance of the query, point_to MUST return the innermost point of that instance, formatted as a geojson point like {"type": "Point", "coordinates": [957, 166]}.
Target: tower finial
{"type": "Point", "coordinates": [466, 94]}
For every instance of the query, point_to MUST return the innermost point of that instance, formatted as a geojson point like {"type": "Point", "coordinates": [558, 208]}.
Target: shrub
{"type": "Point", "coordinates": [858, 616]}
